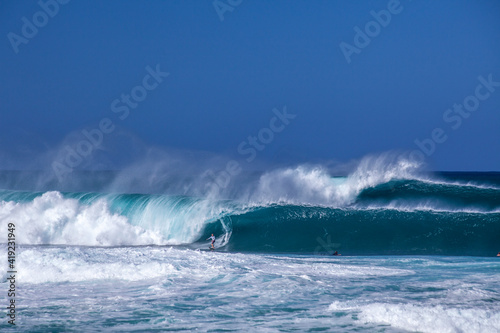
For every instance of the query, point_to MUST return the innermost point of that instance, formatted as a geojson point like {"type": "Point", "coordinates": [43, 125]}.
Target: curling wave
{"type": "Point", "coordinates": [378, 209]}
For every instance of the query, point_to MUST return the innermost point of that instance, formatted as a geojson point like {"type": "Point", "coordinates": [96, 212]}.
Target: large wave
{"type": "Point", "coordinates": [106, 219]}
{"type": "Point", "coordinates": [383, 207]}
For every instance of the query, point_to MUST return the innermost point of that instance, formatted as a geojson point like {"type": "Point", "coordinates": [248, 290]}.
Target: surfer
{"type": "Point", "coordinates": [498, 254]}
{"type": "Point", "coordinates": [336, 253]}
{"type": "Point", "coordinates": [213, 240]}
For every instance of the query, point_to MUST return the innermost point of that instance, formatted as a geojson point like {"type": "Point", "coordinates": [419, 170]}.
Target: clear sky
{"type": "Point", "coordinates": [361, 77]}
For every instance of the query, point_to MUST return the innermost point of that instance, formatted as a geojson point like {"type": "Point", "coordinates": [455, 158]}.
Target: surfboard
{"type": "Point", "coordinates": [207, 250]}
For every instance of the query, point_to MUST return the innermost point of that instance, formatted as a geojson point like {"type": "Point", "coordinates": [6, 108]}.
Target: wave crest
{"type": "Point", "coordinates": [315, 186]}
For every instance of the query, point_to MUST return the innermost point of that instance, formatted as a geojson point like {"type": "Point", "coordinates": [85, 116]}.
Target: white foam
{"type": "Point", "coordinates": [53, 219]}
{"type": "Point", "coordinates": [73, 264]}
{"type": "Point", "coordinates": [315, 186]}
{"type": "Point", "coordinates": [343, 306]}
{"type": "Point", "coordinates": [431, 318]}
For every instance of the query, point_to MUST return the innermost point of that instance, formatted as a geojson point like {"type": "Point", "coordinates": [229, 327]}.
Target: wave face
{"type": "Point", "coordinates": [359, 231]}
{"type": "Point", "coordinates": [374, 210]}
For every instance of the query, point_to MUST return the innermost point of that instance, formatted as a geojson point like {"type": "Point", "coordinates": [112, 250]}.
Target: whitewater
{"type": "Point", "coordinates": [418, 252]}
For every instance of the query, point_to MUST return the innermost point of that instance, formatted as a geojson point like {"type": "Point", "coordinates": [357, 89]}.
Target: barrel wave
{"type": "Point", "coordinates": [288, 211]}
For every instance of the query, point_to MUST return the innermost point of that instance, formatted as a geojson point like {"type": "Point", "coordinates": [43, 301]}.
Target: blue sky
{"type": "Point", "coordinates": [225, 77]}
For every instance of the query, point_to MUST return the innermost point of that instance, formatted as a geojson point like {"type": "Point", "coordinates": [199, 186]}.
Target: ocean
{"type": "Point", "coordinates": [418, 253]}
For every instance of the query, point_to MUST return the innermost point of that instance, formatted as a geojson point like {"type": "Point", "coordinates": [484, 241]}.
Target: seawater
{"type": "Point", "coordinates": [418, 252]}
{"type": "Point", "coordinates": [147, 288]}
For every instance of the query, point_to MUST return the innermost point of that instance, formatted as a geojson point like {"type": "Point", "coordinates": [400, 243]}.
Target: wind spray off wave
{"type": "Point", "coordinates": [383, 207]}
{"type": "Point", "coordinates": [316, 187]}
